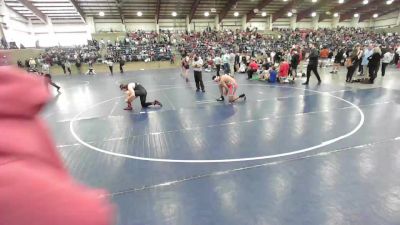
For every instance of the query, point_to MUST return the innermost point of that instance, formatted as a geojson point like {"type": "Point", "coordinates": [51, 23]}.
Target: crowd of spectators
{"type": "Point", "coordinates": [234, 51]}
{"type": "Point", "coordinates": [231, 50]}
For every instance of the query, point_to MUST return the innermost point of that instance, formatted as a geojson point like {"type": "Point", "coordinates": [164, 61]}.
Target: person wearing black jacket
{"type": "Point", "coordinates": [294, 62]}
{"type": "Point", "coordinates": [78, 65]}
{"type": "Point", "coordinates": [338, 60]}
{"type": "Point", "coordinates": [237, 62]}
{"type": "Point", "coordinates": [313, 64]}
{"type": "Point", "coordinates": [373, 64]}
{"type": "Point", "coordinates": [121, 64]}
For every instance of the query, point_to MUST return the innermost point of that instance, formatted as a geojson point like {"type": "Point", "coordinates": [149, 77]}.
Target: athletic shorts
{"type": "Point", "coordinates": [232, 89]}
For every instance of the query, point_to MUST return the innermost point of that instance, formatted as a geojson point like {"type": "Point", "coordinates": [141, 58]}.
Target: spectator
{"type": "Point", "coordinates": [373, 63]}
{"type": "Point", "coordinates": [68, 66]}
{"type": "Point", "coordinates": [387, 59]}
{"type": "Point", "coordinates": [110, 65]}
{"type": "Point", "coordinates": [367, 53]}
{"type": "Point", "coordinates": [253, 67]}
{"type": "Point", "coordinates": [295, 60]}
{"type": "Point", "coordinates": [218, 62]}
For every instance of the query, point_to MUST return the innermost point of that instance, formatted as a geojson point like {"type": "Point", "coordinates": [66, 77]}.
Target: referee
{"type": "Point", "coordinates": [198, 77]}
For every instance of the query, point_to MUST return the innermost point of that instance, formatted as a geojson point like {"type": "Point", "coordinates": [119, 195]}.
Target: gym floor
{"type": "Point", "coordinates": [290, 154]}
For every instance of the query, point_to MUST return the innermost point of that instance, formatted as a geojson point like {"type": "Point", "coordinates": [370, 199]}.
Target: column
{"type": "Point", "coordinates": [354, 21]}
{"type": "Point", "coordinates": [217, 26]}
{"type": "Point", "coordinates": [187, 23]}
{"type": "Point", "coordinates": [4, 17]}
{"type": "Point", "coordinates": [32, 37]}
{"type": "Point", "coordinates": [268, 25]}
{"type": "Point", "coordinates": [244, 22]}
{"type": "Point", "coordinates": [52, 38]}
{"type": "Point", "coordinates": [398, 19]}
{"type": "Point", "coordinates": [371, 22]}
{"type": "Point", "coordinates": [335, 21]}
{"type": "Point", "coordinates": [156, 25]}
{"type": "Point", "coordinates": [91, 28]}
{"type": "Point", "coordinates": [315, 21]}
{"type": "Point", "coordinates": [293, 21]}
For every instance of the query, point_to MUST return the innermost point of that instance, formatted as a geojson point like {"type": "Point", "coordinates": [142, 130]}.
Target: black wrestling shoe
{"type": "Point", "coordinates": [156, 102]}
{"type": "Point", "coordinates": [203, 91]}
{"type": "Point", "coordinates": [305, 83]}
{"type": "Point", "coordinates": [243, 96]}
{"type": "Point", "coordinates": [220, 99]}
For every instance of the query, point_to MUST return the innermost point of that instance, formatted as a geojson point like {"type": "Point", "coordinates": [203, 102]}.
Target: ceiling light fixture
{"type": "Point", "coordinates": [313, 14]}
{"type": "Point", "coordinates": [375, 15]}
{"type": "Point", "coordinates": [101, 13]}
{"type": "Point", "coordinates": [336, 15]}
{"type": "Point", "coordinates": [206, 14]}
{"type": "Point", "coordinates": [341, 1]}
{"type": "Point", "coordinates": [365, 2]}
{"type": "Point", "coordinates": [174, 14]}
{"type": "Point", "coordinates": [236, 14]}
{"type": "Point", "coordinates": [356, 15]}
{"type": "Point", "coordinates": [139, 13]}
{"type": "Point", "coordinates": [289, 14]}
{"type": "Point", "coordinates": [263, 14]}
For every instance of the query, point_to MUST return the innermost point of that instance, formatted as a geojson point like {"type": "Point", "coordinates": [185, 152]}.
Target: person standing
{"type": "Point", "coordinates": [373, 63]}
{"type": "Point", "coordinates": [62, 64]}
{"type": "Point", "coordinates": [225, 60]}
{"type": "Point", "coordinates": [121, 64]}
{"type": "Point", "coordinates": [294, 62]}
{"type": "Point", "coordinates": [218, 62]}
{"type": "Point", "coordinates": [45, 68]}
{"type": "Point", "coordinates": [387, 59]}
{"type": "Point", "coordinates": [110, 64]}
{"type": "Point", "coordinates": [351, 64]}
{"type": "Point", "coordinates": [232, 64]}
{"type": "Point", "coordinates": [312, 64]}
{"type": "Point", "coordinates": [68, 66]}
{"type": "Point", "coordinates": [324, 54]}
{"type": "Point", "coordinates": [198, 77]}
{"type": "Point", "coordinates": [237, 62]}
{"type": "Point", "coordinates": [78, 65]}
{"type": "Point", "coordinates": [338, 59]}
{"type": "Point", "coordinates": [364, 63]}
{"type": "Point", "coordinates": [185, 68]}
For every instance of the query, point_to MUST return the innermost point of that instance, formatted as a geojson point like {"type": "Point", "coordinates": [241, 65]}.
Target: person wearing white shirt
{"type": "Point", "coordinates": [45, 68]}
{"type": "Point", "coordinates": [218, 62]}
{"type": "Point", "coordinates": [110, 65]}
{"type": "Point", "coordinates": [387, 59]}
{"type": "Point", "coordinates": [225, 60]}
{"type": "Point", "coordinates": [198, 77]}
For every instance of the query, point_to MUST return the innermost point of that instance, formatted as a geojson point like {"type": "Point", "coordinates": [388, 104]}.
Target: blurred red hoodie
{"type": "Point", "coordinates": [35, 188]}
